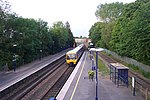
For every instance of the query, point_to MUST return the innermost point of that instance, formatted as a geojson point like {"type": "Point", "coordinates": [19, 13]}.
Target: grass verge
{"type": "Point", "coordinates": [102, 68]}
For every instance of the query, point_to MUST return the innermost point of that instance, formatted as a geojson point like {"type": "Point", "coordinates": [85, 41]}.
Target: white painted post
{"type": "Point", "coordinates": [133, 85]}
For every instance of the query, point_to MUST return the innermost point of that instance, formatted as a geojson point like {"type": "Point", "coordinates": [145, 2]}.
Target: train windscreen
{"type": "Point", "coordinates": [71, 56]}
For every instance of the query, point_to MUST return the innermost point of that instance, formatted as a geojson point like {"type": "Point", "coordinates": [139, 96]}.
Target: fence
{"type": "Point", "coordinates": [146, 68]}
{"type": "Point", "coordinates": [140, 90]}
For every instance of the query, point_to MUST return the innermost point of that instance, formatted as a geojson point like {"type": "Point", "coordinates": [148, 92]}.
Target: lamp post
{"type": "Point", "coordinates": [40, 54]}
{"type": "Point", "coordinates": [22, 46]}
{"type": "Point", "coordinates": [41, 50]}
{"type": "Point", "coordinates": [14, 57]}
{"type": "Point", "coordinates": [96, 50]}
{"type": "Point", "coordinates": [96, 76]}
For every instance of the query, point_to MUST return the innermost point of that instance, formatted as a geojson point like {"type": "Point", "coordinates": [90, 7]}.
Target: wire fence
{"type": "Point", "coordinates": [144, 67]}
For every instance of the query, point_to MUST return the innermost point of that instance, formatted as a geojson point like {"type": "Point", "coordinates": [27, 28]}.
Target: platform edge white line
{"type": "Point", "coordinates": [65, 88]}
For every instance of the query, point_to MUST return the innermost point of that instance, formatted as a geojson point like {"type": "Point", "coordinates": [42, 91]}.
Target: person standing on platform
{"type": "Point", "coordinates": [91, 74]}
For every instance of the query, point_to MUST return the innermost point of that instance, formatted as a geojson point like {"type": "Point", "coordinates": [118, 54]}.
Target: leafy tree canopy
{"type": "Point", "coordinates": [125, 29]}
{"type": "Point", "coordinates": [109, 12]}
{"type": "Point", "coordinates": [95, 32]}
{"type": "Point", "coordinates": [33, 38]}
{"type": "Point", "coordinates": [131, 35]}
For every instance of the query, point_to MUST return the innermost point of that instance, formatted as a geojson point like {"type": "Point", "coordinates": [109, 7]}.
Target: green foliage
{"type": "Point", "coordinates": [32, 37]}
{"type": "Point", "coordinates": [100, 33]}
{"type": "Point", "coordinates": [102, 68]}
{"type": "Point", "coordinates": [146, 74]}
{"type": "Point", "coordinates": [135, 68]}
{"type": "Point", "coordinates": [109, 12]}
{"type": "Point", "coordinates": [142, 72]}
{"type": "Point", "coordinates": [131, 35]}
{"type": "Point", "coordinates": [106, 35]}
{"type": "Point", "coordinates": [125, 29]}
{"type": "Point", "coordinates": [95, 32]}
{"type": "Point", "coordinates": [62, 36]}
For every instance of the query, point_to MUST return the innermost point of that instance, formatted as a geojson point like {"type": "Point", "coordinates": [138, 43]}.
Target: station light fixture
{"type": "Point", "coordinates": [96, 50]}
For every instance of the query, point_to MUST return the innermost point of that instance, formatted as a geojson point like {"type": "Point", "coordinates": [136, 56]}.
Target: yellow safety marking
{"type": "Point", "coordinates": [77, 81]}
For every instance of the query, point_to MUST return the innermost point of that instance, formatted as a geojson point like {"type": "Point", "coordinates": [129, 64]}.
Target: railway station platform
{"type": "Point", "coordinates": [10, 77]}
{"type": "Point", "coordinates": [79, 87]}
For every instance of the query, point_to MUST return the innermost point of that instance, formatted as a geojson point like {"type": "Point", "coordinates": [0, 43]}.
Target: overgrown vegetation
{"type": "Point", "coordinates": [102, 68]}
{"type": "Point", "coordinates": [137, 69]}
{"type": "Point", "coordinates": [124, 29]}
{"type": "Point", "coordinates": [29, 39]}
{"type": "Point", "coordinates": [132, 67]}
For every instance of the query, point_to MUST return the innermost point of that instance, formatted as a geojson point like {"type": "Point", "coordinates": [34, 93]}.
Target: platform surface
{"type": "Point", "coordinates": [79, 87]}
{"type": "Point", "coordinates": [10, 77]}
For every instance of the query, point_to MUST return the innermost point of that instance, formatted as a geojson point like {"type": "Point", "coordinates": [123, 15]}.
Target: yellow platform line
{"type": "Point", "coordinates": [74, 90]}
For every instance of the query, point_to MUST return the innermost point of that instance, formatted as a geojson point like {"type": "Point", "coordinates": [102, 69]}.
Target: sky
{"type": "Point", "coordinates": [79, 13]}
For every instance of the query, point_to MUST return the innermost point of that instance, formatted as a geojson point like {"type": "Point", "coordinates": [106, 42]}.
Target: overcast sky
{"type": "Point", "coordinates": [79, 13]}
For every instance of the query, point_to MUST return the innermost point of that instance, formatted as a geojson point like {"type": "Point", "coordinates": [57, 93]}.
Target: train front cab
{"type": "Point", "coordinates": [71, 59]}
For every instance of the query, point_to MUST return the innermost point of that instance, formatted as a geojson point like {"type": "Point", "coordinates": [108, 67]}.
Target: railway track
{"type": "Point", "coordinates": [38, 84]}
{"type": "Point", "coordinates": [58, 85]}
{"type": "Point", "coordinates": [145, 83]}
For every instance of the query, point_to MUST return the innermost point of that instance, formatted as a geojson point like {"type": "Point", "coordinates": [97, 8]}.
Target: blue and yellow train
{"type": "Point", "coordinates": [74, 55]}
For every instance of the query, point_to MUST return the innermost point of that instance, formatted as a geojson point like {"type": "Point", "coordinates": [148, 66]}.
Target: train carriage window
{"type": "Point", "coordinates": [71, 56]}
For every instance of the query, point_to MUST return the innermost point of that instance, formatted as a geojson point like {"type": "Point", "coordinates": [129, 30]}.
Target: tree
{"type": "Point", "coordinates": [70, 36]}
{"type": "Point", "coordinates": [95, 32]}
{"type": "Point", "coordinates": [131, 33]}
{"type": "Point", "coordinates": [106, 35]}
{"type": "Point", "coordinates": [32, 37]}
{"type": "Point", "coordinates": [4, 10]}
{"type": "Point", "coordinates": [109, 12]}
{"type": "Point", "coordinates": [61, 35]}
